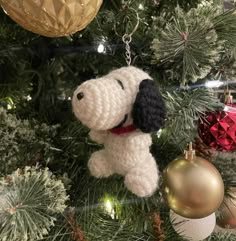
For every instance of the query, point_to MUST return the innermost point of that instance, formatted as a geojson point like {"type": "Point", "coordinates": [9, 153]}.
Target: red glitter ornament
{"type": "Point", "coordinates": [218, 130]}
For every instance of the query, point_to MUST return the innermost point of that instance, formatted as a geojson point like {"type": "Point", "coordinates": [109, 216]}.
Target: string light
{"type": "Point", "coordinates": [141, 7]}
{"type": "Point", "coordinates": [159, 133]}
{"type": "Point", "coordinates": [109, 207]}
{"type": "Point", "coordinates": [229, 109]}
{"type": "Point", "coordinates": [101, 48]}
{"type": "Point", "coordinates": [10, 103]}
{"type": "Point", "coordinates": [9, 107]}
{"type": "Point", "coordinates": [214, 84]}
{"type": "Point", "coordinates": [28, 98]}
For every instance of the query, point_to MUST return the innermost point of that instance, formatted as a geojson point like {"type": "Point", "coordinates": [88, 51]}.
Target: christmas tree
{"type": "Point", "coordinates": [47, 191]}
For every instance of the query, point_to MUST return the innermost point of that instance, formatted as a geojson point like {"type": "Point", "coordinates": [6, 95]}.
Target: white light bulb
{"type": "Point", "coordinates": [141, 7]}
{"type": "Point", "coordinates": [9, 107]}
{"type": "Point", "coordinates": [28, 98]}
{"type": "Point", "coordinates": [159, 133]}
{"type": "Point", "coordinates": [229, 109]}
{"type": "Point", "coordinates": [101, 48]}
{"type": "Point", "coordinates": [213, 84]}
{"type": "Point", "coordinates": [109, 208]}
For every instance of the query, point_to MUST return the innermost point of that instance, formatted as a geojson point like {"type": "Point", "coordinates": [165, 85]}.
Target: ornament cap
{"type": "Point", "coordinates": [228, 97]}
{"type": "Point", "coordinates": [190, 153]}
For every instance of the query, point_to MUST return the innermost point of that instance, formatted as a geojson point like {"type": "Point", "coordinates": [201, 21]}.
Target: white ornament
{"type": "Point", "coordinates": [193, 229]}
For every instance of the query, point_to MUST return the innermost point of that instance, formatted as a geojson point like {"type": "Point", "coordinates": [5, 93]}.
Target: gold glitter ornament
{"type": "Point", "coordinates": [227, 212]}
{"type": "Point", "coordinates": [52, 18]}
{"type": "Point", "coordinates": [192, 186]}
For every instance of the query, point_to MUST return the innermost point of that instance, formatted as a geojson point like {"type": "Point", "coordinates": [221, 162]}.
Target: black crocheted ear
{"type": "Point", "coordinates": [149, 109]}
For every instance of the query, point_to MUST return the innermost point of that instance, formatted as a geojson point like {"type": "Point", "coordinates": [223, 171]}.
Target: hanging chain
{"type": "Point", "coordinates": [127, 40]}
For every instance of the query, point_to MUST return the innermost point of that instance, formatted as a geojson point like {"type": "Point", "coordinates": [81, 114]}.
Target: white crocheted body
{"type": "Point", "coordinates": [105, 103]}
{"type": "Point", "coordinates": [128, 155]}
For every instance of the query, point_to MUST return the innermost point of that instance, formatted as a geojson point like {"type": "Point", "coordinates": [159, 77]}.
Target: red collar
{"type": "Point", "coordinates": [123, 130]}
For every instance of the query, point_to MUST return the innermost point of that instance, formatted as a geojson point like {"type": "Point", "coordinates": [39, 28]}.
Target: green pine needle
{"type": "Point", "coordinates": [225, 26]}
{"type": "Point", "coordinates": [188, 44]}
{"type": "Point", "coordinates": [30, 199]}
{"type": "Point", "coordinates": [222, 236]}
{"type": "Point", "coordinates": [184, 108]}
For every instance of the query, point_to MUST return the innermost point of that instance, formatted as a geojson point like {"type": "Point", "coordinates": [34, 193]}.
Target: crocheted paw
{"type": "Point", "coordinates": [142, 183]}
{"type": "Point", "coordinates": [98, 136]}
{"type": "Point", "coordinates": [99, 166]}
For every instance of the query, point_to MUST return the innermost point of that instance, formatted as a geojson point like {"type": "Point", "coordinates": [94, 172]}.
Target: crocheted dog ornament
{"type": "Point", "coordinates": [122, 109]}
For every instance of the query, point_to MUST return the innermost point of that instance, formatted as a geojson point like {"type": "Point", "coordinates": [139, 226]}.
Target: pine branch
{"type": "Point", "coordinates": [222, 237]}
{"type": "Point", "coordinates": [186, 45]}
{"type": "Point", "coordinates": [184, 108]}
{"type": "Point", "coordinates": [226, 163]}
{"type": "Point", "coordinates": [225, 27]}
{"type": "Point", "coordinates": [157, 226]}
{"type": "Point", "coordinates": [59, 67]}
{"type": "Point", "coordinates": [77, 233]}
{"type": "Point", "coordinates": [116, 222]}
{"type": "Point", "coordinates": [14, 80]}
{"type": "Point", "coordinates": [23, 140]}
{"type": "Point", "coordinates": [30, 200]}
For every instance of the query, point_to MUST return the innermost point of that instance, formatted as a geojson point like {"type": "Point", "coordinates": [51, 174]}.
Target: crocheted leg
{"type": "Point", "coordinates": [99, 166]}
{"type": "Point", "coordinates": [142, 181]}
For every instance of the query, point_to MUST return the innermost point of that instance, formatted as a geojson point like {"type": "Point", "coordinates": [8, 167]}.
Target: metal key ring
{"type": "Point", "coordinates": [135, 28]}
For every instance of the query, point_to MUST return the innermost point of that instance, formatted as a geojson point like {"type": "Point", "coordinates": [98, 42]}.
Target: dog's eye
{"type": "Point", "coordinates": [121, 84]}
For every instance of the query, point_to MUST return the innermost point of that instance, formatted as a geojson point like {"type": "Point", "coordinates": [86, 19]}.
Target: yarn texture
{"type": "Point", "coordinates": [126, 97]}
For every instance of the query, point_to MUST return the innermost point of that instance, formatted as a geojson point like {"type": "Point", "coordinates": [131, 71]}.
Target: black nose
{"type": "Point", "coordinates": [80, 95]}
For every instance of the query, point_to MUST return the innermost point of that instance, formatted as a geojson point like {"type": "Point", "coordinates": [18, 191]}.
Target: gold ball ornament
{"type": "Point", "coordinates": [192, 186]}
{"type": "Point", "coordinates": [52, 18]}
{"type": "Point", "coordinates": [227, 212]}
